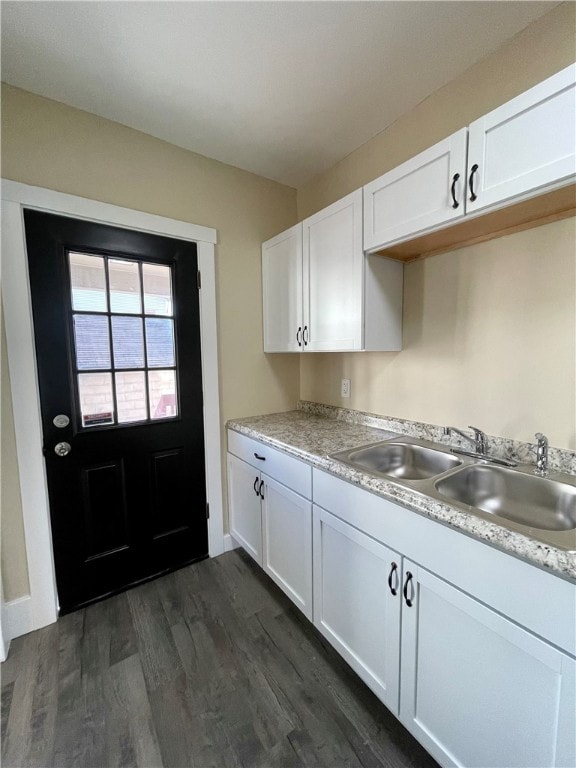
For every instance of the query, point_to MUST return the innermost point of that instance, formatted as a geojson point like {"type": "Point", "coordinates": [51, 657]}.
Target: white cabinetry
{"type": "Point", "coordinates": [477, 689]}
{"type": "Point", "coordinates": [472, 684]}
{"type": "Point", "coordinates": [287, 542]}
{"type": "Point", "coordinates": [524, 145]}
{"type": "Point", "coordinates": [524, 148]}
{"type": "Point", "coordinates": [321, 294]}
{"type": "Point", "coordinates": [282, 291]}
{"type": "Point", "coordinates": [333, 276]}
{"type": "Point", "coordinates": [422, 193]}
{"type": "Point", "coordinates": [353, 606]}
{"type": "Point", "coordinates": [271, 514]}
{"type": "Point", "coordinates": [245, 507]}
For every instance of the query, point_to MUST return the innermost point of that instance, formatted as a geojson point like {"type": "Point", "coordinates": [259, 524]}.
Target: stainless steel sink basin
{"type": "Point", "coordinates": [538, 502]}
{"type": "Point", "coordinates": [399, 460]}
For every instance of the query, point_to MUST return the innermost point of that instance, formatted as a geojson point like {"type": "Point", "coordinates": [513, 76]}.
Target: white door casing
{"type": "Point", "coordinates": [40, 607]}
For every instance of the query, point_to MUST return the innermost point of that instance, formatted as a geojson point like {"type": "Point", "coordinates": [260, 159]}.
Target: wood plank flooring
{"type": "Point", "coordinates": [208, 667]}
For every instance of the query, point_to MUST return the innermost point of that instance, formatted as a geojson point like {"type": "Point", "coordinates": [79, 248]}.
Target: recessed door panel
{"type": "Point", "coordinates": [170, 496]}
{"type": "Point", "coordinates": [105, 513]}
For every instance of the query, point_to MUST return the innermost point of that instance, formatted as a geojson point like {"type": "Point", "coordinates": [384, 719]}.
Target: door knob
{"type": "Point", "coordinates": [62, 449]}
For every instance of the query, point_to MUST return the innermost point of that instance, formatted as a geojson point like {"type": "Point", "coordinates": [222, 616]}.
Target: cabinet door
{"type": "Point", "coordinates": [477, 689]}
{"type": "Point", "coordinates": [244, 505]}
{"type": "Point", "coordinates": [287, 542]}
{"type": "Point", "coordinates": [354, 607]}
{"type": "Point", "coordinates": [526, 144]}
{"type": "Point", "coordinates": [282, 291]}
{"type": "Point", "coordinates": [334, 276]}
{"type": "Point", "coordinates": [424, 192]}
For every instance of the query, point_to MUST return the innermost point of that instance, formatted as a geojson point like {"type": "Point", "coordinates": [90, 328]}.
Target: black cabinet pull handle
{"type": "Point", "coordinates": [260, 489]}
{"type": "Point", "coordinates": [255, 484]}
{"type": "Point", "coordinates": [406, 583]}
{"type": "Point", "coordinates": [305, 335]}
{"type": "Point", "coordinates": [473, 194]}
{"type": "Point", "coordinates": [455, 178]}
{"type": "Point", "coordinates": [298, 332]}
{"type": "Point", "coordinates": [260, 458]}
{"type": "Point", "coordinates": [393, 572]}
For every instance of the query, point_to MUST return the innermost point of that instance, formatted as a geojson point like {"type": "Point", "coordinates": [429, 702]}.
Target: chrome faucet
{"type": "Point", "coordinates": [480, 447]}
{"type": "Point", "coordinates": [541, 454]}
{"type": "Point", "coordinates": [479, 439]}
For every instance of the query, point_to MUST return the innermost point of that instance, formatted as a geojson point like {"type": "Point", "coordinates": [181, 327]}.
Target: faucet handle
{"type": "Point", "coordinates": [541, 454]}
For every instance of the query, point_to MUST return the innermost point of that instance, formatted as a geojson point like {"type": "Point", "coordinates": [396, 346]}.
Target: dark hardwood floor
{"type": "Point", "coordinates": [210, 666]}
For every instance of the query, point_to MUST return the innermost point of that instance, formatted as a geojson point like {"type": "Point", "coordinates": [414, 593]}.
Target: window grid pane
{"type": "Point", "coordinates": [92, 342]}
{"type": "Point", "coordinates": [131, 396]}
{"type": "Point", "coordinates": [127, 342]}
{"type": "Point", "coordinates": [123, 338]}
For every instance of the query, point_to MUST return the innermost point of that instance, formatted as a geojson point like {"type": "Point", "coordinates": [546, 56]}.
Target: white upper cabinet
{"type": "Point", "coordinates": [424, 192]}
{"type": "Point", "coordinates": [524, 148]}
{"type": "Point", "coordinates": [322, 294]}
{"type": "Point", "coordinates": [524, 145]}
{"type": "Point", "coordinates": [333, 276]}
{"type": "Point", "coordinates": [282, 291]}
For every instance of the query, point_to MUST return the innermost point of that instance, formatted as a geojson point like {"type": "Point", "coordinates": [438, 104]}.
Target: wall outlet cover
{"type": "Point", "coordinates": [345, 388]}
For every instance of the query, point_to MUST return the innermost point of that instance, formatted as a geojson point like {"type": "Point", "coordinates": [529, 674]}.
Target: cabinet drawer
{"type": "Point", "coordinates": [287, 470]}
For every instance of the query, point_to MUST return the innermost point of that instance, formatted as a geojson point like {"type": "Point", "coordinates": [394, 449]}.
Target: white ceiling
{"type": "Point", "coordinates": [283, 89]}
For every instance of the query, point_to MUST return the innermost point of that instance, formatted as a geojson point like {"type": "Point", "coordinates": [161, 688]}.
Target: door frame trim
{"type": "Point", "coordinates": [40, 608]}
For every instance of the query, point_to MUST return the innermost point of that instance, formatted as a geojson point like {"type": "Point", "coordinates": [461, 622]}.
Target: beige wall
{"type": "Point", "coordinates": [14, 567]}
{"type": "Point", "coordinates": [489, 329]}
{"type": "Point", "coordinates": [51, 145]}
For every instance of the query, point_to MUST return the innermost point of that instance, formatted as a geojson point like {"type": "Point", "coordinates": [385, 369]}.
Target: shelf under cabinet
{"type": "Point", "coordinates": [534, 212]}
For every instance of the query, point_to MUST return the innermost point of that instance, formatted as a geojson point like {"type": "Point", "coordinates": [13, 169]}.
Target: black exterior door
{"type": "Point", "coordinates": [117, 333]}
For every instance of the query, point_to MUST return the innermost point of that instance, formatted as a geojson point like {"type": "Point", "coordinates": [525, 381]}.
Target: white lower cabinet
{"type": "Point", "coordinates": [472, 649]}
{"type": "Point", "coordinates": [245, 506]}
{"type": "Point", "coordinates": [287, 542]}
{"type": "Point", "coordinates": [477, 689]}
{"type": "Point", "coordinates": [354, 608]}
{"type": "Point", "coordinates": [271, 521]}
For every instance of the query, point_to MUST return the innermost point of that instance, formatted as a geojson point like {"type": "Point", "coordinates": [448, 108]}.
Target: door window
{"type": "Point", "coordinates": [123, 330]}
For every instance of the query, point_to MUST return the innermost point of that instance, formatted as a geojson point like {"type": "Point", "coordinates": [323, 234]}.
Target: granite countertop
{"type": "Point", "coordinates": [313, 432]}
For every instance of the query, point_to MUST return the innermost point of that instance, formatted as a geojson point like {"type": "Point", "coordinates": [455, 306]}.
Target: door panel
{"type": "Point", "coordinates": [287, 542]}
{"type": "Point", "coordinates": [105, 508]}
{"type": "Point", "coordinates": [334, 277]}
{"type": "Point", "coordinates": [245, 506]}
{"type": "Point", "coordinates": [477, 689]}
{"type": "Point", "coordinates": [424, 192]}
{"type": "Point", "coordinates": [116, 322]}
{"type": "Point", "coordinates": [354, 606]}
{"type": "Point", "coordinates": [525, 144]}
{"type": "Point", "coordinates": [282, 291]}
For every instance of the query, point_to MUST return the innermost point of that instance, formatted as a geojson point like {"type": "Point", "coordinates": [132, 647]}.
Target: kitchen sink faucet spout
{"type": "Point", "coordinates": [479, 439]}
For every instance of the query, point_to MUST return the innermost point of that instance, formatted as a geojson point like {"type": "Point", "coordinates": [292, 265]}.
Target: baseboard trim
{"type": "Point", "coordinates": [230, 543]}
{"type": "Point", "coordinates": [17, 618]}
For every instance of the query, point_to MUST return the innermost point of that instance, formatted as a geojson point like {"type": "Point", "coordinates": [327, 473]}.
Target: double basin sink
{"type": "Point", "coordinates": [542, 507]}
